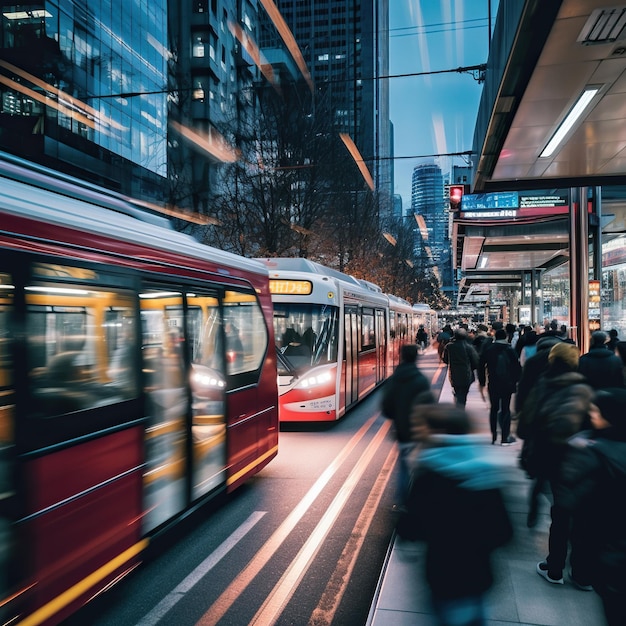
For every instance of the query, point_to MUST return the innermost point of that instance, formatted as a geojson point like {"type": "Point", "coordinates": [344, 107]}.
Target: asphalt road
{"type": "Point", "coordinates": [303, 542]}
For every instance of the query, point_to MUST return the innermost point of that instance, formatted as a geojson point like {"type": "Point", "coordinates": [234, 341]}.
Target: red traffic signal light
{"type": "Point", "coordinates": [456, 196]}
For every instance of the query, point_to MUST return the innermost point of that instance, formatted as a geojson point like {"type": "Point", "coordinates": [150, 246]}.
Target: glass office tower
{"type": "Point", "coordinates": [83, 89]}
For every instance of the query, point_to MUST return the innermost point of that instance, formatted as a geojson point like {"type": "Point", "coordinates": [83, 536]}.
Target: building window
{"type": "Point", "coordinates": [200, 6]}
{"type": "Point", "coordinates": [198, 48]}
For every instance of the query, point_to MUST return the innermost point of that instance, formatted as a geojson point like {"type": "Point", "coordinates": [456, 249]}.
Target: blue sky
{"type": "Point", "coordinates": [434, 114]}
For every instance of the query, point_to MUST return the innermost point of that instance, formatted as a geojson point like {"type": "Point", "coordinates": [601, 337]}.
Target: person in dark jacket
{"type": "Point", "coordinates": [533, 369]}
{"type": "Point", "coordinates": [593, 484]}
{"type": "Point", "coordinates": [443, 338]}
{"type": "Point", "coordinates": [600, 366]}
{"type": "Point", "coordinates": [462, 360]}
{"type": "Point", "coordinates": [500, 367]}
{"type": "Point", "coordinates": [405, 385]}
{"type": "Point", "coordinates": [456, 507]}
{"type": "Point", "coordinates": [613, 340]}
{"type": "Point", "coordinates": [479, 337]}
{"type": "Point", "coordinates": [556, 410]}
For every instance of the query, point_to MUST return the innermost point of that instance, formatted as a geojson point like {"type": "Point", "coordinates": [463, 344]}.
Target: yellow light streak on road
{"type": "Point", "coordinates": [267, 551]}
{"type": "Point", "coordinates": [282, 592]}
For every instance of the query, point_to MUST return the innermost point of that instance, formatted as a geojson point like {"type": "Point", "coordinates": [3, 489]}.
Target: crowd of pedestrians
{"type": "Point", "coordinates": [570, 412]}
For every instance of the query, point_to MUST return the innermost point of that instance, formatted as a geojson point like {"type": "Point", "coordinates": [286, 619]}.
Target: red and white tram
{"type": "Point", "coordinates": [337, 338]}
{"type": "Point", "coordinates": [137, 380]}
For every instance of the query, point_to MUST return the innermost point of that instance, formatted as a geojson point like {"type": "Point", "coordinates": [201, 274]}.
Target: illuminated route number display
{"type": "Point", "coordinates": [291, 287]}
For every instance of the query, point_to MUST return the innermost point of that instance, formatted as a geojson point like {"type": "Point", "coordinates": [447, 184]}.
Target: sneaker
{"type": "Point", "coordinates": [542, 570]}
{"type": "Point", "coordinates": [578, 585]}
{"type": "Point", "coordinates": [509, 441]}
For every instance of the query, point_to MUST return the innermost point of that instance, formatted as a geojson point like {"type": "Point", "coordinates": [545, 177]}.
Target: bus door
{"type": "Point", "coordinates": [163, 364]}
{"type": "Point", "coordinates": [381, 346]}
{"type": "Point", "coordinates": [350, 355]}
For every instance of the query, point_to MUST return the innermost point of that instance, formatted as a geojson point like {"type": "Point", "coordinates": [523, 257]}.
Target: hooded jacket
{"type": "Point", "coordinates": [456, 507]}
{"type": "Point", "coordinates": [556, 410]}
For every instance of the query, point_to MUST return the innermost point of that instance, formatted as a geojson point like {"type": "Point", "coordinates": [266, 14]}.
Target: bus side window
{"type": "Point", "coordinates": [72, 339]}
{"type": "Point", "coordinates": [245, 332]}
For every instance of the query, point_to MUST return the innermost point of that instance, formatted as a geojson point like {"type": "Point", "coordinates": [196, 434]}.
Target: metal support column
{"type": "Point", "coordinates": [579, 267]}
{"type": "Point", "coordinates": [537, 276]}
{"type": "Point", "coordinates": [533, 299]}
{"type": "Point", "coordinates": [597, 235]}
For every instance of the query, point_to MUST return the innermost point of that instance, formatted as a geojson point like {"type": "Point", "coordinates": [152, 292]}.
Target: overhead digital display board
{"type": "Point", "coordinates": [507, 204]}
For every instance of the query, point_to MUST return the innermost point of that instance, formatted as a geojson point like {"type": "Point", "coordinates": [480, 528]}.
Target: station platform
{"type": "Point", "coordinates": [519, 594]}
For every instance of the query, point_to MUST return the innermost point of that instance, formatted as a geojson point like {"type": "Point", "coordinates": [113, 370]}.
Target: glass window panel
{"type": "Point", "coordinates": [163, 363]}
{"type": "Point", "coordinates": [245, 332]}
{"type": "Point", "coordinates": [367, 329]}
{"type": "Point", "coordinates": [208, 387]}
{"type": "Point", "coordinates": [70, 356]}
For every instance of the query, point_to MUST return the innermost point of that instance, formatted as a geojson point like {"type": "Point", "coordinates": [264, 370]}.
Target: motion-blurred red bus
{"type": "Point", "coordinates": [124, 401]}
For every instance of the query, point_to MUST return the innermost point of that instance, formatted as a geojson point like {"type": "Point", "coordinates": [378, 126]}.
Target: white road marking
{"type": "Point", "coordinates": [159, 611]}
{"type": "Point", "coordinates": [286, 586]}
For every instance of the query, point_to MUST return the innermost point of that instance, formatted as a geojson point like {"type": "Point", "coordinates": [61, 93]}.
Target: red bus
{"type": "Point", "coordinates": [137, 381]}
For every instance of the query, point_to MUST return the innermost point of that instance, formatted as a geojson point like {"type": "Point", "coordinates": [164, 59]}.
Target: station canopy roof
{"type": "Point", "coordinates": [544, 56]}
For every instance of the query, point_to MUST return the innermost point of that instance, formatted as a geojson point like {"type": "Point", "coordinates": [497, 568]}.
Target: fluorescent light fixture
{"type": "Point", "coordinates": [159, 294]}
{"type": "Point", "coordinates": [62, 291]}
{"type": "Point", "coordinates": [572, 117]}
{"type": "Point", "coordinates": [484, 261]}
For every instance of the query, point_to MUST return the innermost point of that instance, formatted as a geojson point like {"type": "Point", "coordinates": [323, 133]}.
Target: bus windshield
{"type": "Point", "coordinates": [306, 334]}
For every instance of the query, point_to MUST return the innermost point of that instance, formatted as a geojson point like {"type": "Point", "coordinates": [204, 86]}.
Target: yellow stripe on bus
{"type": "Point", "coordinates": [247, 468]}
{"type": "Point", "coordinates": [74, 592]}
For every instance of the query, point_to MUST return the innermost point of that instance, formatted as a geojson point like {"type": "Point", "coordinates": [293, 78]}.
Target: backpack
{"type": "Point", "coordinates": [503, 373]}
{"type": "Point", "coordinates": [502, 366]}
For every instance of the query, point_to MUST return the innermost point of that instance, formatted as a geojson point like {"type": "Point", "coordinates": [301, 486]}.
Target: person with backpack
{"type": "Point", "coordinates": [422, 338]}
{"type": "Point", "coordinates": [443, 338]}
{"type": "Point", "coordinates": [500, 368]}
{"type": "Point", "coordinates": [557, 408]}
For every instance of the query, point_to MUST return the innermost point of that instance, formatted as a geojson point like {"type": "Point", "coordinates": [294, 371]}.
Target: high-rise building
{"type": "Point", "coordinates": [84, 90]}
{"type": "Point", "coordinates": [427, 200]}
{"type": "Point", "coordinates": [345, 44]}
{"type": "Point", "coordinates": [213, 76]}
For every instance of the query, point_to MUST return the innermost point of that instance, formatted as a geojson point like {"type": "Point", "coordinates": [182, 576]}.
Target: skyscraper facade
{"type": "Point", "coordinates": [345, 44]}
{"type": "Point", "coordinates": [427, 200]}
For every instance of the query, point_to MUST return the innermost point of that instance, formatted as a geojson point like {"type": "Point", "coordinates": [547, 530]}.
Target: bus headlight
{"type": "Point", "coordinates": [314, 379]}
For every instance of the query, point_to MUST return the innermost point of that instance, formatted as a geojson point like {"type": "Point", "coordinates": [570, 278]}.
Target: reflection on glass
{"type": "Point", "coordinates": [166, 395]}
{"type": "Point", "coordinates": [208, 388]}
{"type": "Point", "coordinates": [71, 365]}
{"type": "Point", "coordinates": [244, 331]}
